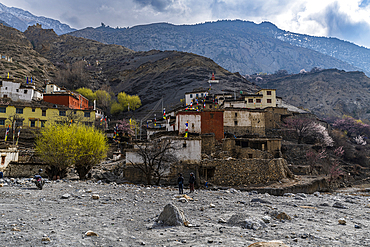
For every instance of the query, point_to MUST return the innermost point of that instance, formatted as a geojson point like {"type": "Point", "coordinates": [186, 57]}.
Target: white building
{"type": "Point", "coordinates": [196, 94]}
{"type": "Point", "coordinates": [186, 150]}
{"type": "Point", "coordinates": [8, 155]}
{"type": "Point", "coordinates": [19, 92]}
{"type": "Point", "coordinates": [51, 88]}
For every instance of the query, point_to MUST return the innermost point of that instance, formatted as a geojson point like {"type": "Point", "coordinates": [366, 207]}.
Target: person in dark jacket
{"type": "Point", "coordinates": [191, 182]}
{"type": "Point", "coordinates": [180, 182]}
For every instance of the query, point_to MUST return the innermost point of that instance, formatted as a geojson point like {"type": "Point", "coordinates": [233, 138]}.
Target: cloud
{"type": "Point", "coordinates": [158, 5]}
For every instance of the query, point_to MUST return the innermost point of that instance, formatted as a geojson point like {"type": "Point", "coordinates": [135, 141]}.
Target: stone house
{"type": "Point", "coordinates": [7, 156]}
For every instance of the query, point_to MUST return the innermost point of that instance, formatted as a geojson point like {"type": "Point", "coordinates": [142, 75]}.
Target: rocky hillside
{"type": "Point", "coordinates": [238, 46]}
{"type": "Point", "coordinates": [26, 62]}
{"type": "Point", "coordinates": [21, 19]}
{"type": "Point", "coordinates": [152, 75]}
{"type": "Point", "coordinates": [326, 93]}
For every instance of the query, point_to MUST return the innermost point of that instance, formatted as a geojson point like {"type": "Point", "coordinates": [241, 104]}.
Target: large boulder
{"type": "Point", "coordinates": [269, 244]}
{"type": "Point", "coordinates": [172, 216]}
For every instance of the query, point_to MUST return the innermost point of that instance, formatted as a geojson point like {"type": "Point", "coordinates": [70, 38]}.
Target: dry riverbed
{"type": "Point", "coordinates": [63, 213]}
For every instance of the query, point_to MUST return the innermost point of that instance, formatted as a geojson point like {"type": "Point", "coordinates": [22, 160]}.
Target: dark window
{"type": "Point", "coordinates": [33, 109]}
{"type": "Point", "coordinates": [250, 100]}
{"type": "Point", "coordinates": [19, 122]}
{"type": "Point", "coordinates": [5, 96]}
{"type": "Point", "coordinates": [19, 111]}
{"type": "Point", "coordinates": [210, 106]}
{"type": "Point", "coordinates": [33, 123]}
{"type": "Point", "coordinates": [250, 156]}
{"type": "Point", "coordinates": [192, 125]}
{"type": "Point", "coordinates": [43, 123]}
{"type": "Point", "coordinates": [25, 91]}
{"type": "Point", "coordinates": [235, 123]}
{"type": "Point", "coordinates": [236, 114]}
{"type": "Point", "coordinates": [17, 90]}
{"type": "Point", "coordinates": [184, 145]}
{"type": "Point", "coordinates": [62, 113]}
{"type": "Point", "coordinates": [197, 95]}
{"type": "Point", "coordinates": [258, 100]}
{"type": "Point", "coordinates": [191, 96]}
{"type": "Point", "coordinates": [212, 115]}
{"type": "Point", "coordinates": [2, 109]}
{"type": "Point", "coordinates": [268, 92]}
{"type": "Point", "coordinates": [269, 101]}
{"type": "Point", "coordinates": [87, 114]}
{"type": "Point", "coordinates": [44, 113]}
{"type": "Point", "coordinates": [2, 121]}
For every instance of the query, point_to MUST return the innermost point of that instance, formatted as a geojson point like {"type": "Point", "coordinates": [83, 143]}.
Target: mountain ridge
{"type": "Point", "coordinates": [239, 46]}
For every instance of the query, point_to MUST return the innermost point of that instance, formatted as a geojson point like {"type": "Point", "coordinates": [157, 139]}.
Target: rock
{"type": "Point", "coordinates": [212, 205]}
{"type": "Point", "coordinates": [14, 229]}
{"type": "Point", "coordinates": [324, 204]}
{"type": "Point", "coordinates": [254, 224]}
{"type": "Point", "coordinates": [357, 226]}
{"type": "Point", "coordinates": [237, 220]}
{"type": "Point", "coordinates": [66, 196]}
{"type": "Point", "coordinates": [268, 244]}
{"type": "Point", "coordinates": [342, 221]}
{"type": "Point", "coordinates": [289, 194]}
{"type": "Point", "coordinates": [339, 205]}
{"type": "Point", "coordinates": [221, 220]}
{"type": "Point", "coordinates": [260, 200]}
{"type": "Point", "coordinates": [95, 197]}
{"type": "Point", "coordinates": [172, 216]}
{"type": "Point", "coordinates": [45, 239]}
{"type": "Point", "coordinates": [91, 234]}
{"type": "Point", "coordinates": [1, 185]}
{"type": "Point", "coordinates": [280, 216]}
{"type": "Point", "coordinates": [316, 193]}
{"type": "Point", "coordinates": [266, 219]}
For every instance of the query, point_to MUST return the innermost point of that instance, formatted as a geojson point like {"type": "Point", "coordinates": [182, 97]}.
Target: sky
{"type": "Point", "coordinates": [345, 19]}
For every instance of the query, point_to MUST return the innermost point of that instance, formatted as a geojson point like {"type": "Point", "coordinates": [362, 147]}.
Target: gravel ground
{"type": "Point", "coordinates": [125, 215]}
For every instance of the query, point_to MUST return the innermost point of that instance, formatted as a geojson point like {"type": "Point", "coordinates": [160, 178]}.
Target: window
{"type": "Point", "coordinates": [62, 113]}
{"type": "Point", "coordinates": [43, 123]}
{"type": "Point", "coordinates": [236, 114]}
{"type": "Point", "coordinates": [2, 121]}
{"type": "Point", "coordinates": [75, 112]}
{"type": "Point", "coordinates": [17, 90]}
{"type": "Point", "coordinates": [19, 111]}
{"type": "Point", "coordinates": [33, 123]}
{"type": "Point", "coordinates": [192, 125]}
{"type": "Point", "coordinates": [184, 145]}
{"type": "Point", "coordinates": [235, 123]}
{"type": "Point", "coordinates": [191, 96]}
{"type": "Point", "coordinates": [250, 156]}
{"type": "Point", "coordinates": [33, 109]}
{"type": "Point", "coordinates": [250, 100]}
{"type": "Point", "coordinates": [212, 114]}
{"type": "Point", "coordinates": [3, 160]}
{"type": "Point", "coordinates": [25, 91]}
{"type": "Point", "coordinates": [87, 114]}
{"type": "Point", "coordinates": [43, 113]}
{"type": "Point", "coordinates": [2, 109]}
{"type": "Point", "coordinates": [269, 101]}
{"type": "Point", "coordinates": [268, 92]}
{"type": "Point", "coordinates": [19, 123]}
{"type": "Point", "coordinates": [258, 100]}
{"type": "Point", "coordinates": [197, 95]}
{"type": "Point", "coordinates": [5, 96]}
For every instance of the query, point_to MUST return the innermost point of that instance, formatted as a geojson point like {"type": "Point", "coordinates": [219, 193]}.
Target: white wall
{"type": "Point", "coordinates": [10, 154]}
{"type": "Point", "coordinates": [194, 121]}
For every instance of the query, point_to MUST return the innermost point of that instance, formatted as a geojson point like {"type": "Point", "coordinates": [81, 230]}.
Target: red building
{"type": "Point", "coordinates": [71, 100]}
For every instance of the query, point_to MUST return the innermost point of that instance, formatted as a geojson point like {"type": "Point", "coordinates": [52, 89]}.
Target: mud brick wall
{"type": "Point", "coordinates": [24, 169]}
{"type": "Point", "coordinates": [247, 172]}
{"type": "Point", "coordinates": [208, 143]}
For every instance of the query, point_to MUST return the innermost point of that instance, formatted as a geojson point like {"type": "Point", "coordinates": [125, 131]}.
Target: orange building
{"type": "Point", "coordinates": [71, 100]}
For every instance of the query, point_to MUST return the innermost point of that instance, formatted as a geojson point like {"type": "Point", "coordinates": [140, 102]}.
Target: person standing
{"type": "Point", "coordinates": [191, 182]}
{"type": "Point", "coordinates": [180, 182]}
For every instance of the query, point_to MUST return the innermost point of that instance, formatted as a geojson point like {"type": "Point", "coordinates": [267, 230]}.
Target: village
{"type": "Point", "coordinates": [224, 139]}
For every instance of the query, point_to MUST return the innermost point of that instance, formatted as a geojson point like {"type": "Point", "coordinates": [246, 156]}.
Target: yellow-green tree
{"type": "Point", "coordinates": [63, 146]}
{"type": "Point", "coordinates": [116, 108]}
{"type": "Point", "coordinates": [87, 92]}
{"type": "Point", "coordinates": [132, 101]}
{"type": "Point", "coordinates": [103, 98]}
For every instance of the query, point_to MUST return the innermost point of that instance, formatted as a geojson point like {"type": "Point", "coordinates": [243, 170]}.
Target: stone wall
{"type": "Point", "coordinates": [208, 143]}
{"type": "Point", "coordinates": [247, 172]}
{"type": "Point", "coordinates": [24, 169]}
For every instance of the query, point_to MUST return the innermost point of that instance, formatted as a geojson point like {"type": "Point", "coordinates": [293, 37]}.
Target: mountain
{"type": "Point", "coordinates": [25, 61]}
{"type": "Point", "coordinates": [21, 19]}
{"type": "Point", "coordinates": [152, 75]}
{"type": "Point", "coordinates": [239, 46]}
{"type": "Point", "coordinates": [326, 93]}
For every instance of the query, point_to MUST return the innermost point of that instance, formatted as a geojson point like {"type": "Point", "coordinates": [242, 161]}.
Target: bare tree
{"type": "Point", "coordinates": [156, 158]}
